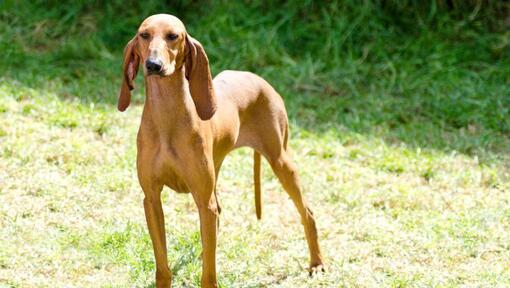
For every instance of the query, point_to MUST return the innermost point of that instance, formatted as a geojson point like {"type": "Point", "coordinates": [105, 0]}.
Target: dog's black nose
{"type": "Point", "coordinates": [153, 65]}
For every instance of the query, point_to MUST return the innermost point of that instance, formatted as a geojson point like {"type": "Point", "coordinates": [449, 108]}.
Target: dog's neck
{"type": "Point", "coordinates": [169, 105]}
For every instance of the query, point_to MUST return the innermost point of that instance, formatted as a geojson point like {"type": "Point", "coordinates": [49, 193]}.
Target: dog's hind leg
{"type": "Point", "coordinates": [286, 172]}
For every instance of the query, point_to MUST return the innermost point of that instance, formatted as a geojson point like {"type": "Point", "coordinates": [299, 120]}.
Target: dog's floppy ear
{"type": "Point", "coordinates": [130, 68]}
{"type": "Point", "coordinates": [199, 77]}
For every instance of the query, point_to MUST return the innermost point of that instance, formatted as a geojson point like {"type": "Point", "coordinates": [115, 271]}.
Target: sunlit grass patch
{"type": "Point", "coordinates": [70, 197]}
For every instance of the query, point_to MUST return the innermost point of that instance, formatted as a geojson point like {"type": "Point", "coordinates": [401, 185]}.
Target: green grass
{"type": "Point", "coordinates": [400, 122]}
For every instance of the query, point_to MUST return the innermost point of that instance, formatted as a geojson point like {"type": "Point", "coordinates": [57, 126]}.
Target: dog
{"type": "Point", "coordinates": [190, 122]}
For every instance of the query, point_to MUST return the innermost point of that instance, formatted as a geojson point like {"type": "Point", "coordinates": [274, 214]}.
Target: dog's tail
{"type": "Point", "coordinates": [256, 180]}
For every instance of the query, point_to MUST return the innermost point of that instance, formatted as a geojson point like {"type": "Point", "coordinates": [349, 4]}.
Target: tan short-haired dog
{"type": "Point", "coordinates": [190, 123]}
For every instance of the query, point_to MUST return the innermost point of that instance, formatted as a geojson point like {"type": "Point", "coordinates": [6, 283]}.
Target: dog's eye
{"type": "Point", "coordinates": [172, 36]}
{"type": "Point", "coordinates": [145, 35]}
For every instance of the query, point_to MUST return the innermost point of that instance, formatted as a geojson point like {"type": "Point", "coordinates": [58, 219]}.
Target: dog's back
{"type": "Point", "coordinates": [261, 115]}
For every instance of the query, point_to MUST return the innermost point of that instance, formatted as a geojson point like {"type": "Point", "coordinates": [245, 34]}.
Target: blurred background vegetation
{"type": "Point", "coordinates": [429, 73]}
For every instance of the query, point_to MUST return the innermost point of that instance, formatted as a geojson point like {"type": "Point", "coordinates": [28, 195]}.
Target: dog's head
{"type": "Point", "coordinates": [163, 46]}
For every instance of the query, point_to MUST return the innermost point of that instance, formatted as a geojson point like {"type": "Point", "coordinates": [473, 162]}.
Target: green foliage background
{"type": "Point", "coordinates": [401, 66]}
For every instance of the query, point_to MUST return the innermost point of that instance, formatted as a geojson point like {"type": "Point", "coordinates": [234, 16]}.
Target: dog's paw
{"type": "Point", "coordinates": [163, 280]}
{"type": "Point", "coordinates": [316, 268]}
{"type": "Point", "coordinates": [163, 284]}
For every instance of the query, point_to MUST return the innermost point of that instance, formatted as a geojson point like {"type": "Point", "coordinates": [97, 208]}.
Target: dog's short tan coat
{"type": "Point", "coordinates": [190, 123]}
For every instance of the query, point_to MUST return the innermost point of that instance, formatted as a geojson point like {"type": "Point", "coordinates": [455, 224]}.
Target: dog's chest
{"type": "Point", "coordinates": [170, 170]}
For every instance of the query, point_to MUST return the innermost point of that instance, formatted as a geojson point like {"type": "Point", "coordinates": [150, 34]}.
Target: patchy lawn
{"type": "Point", "coordinates": [71, 209]}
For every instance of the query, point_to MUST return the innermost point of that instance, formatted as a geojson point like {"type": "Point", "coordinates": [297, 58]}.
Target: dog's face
{"type": "Point", "coordinates": [161, 41]}
{"type": "Point", "coordinates": [162, 46]}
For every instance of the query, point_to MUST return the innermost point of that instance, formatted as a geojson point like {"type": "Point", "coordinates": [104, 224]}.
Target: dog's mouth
{"type": "Point", "coordinates": [164, 72]}
{"type": "Point", "coordinates": [157, 73]}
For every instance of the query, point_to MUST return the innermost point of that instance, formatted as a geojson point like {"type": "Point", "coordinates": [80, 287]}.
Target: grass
{"type": "Point", "coordinates": [400, 133]}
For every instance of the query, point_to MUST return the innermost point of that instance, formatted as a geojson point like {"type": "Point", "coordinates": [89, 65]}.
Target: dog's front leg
{"type": "Point", "coordinates": [156, 224]}
{"type": "Point", "coordinates": [208, 212]}
{"type": "Point", "coordinates": [202, 183]}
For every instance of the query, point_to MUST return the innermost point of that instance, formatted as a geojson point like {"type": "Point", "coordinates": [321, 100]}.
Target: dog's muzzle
{"type": "Point", "coordinates": [154, 66]}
